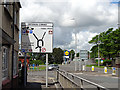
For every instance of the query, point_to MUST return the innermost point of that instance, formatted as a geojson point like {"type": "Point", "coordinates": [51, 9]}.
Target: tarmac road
{"type": "Point", "coordinates": [106, 80]}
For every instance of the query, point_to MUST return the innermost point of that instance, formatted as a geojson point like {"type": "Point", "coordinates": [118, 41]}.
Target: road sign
{"type": "Point", "coordinates": [66, 53]}
{"type": "Point", "coordinates": [113, 71]}
{"type": "Point", "coordinates": [101, 61]}
{"type": "Point", "coordinates": [37, 37]}
{"type": "Point", "coordinates": [83, 54]}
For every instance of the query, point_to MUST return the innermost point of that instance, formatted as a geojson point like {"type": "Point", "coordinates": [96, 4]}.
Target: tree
{"type": "Point", "coordinates": [109, 43]}
{"type": "Point", "coordinates": [77, 55]}
{"type": "Point", "coordinates": [73, 54]}
{"type": "Point", "coordinates": [58, 55]}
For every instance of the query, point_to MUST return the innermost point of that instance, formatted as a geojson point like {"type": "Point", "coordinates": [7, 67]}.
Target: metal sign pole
{"type": "Point", "coordinates": [46, 70]}
{"type": "Point", "coordinates": [25, 79]}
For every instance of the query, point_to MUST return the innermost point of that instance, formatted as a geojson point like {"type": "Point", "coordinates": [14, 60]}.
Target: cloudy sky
{"type": "Point", "coordinates": [86, 18]}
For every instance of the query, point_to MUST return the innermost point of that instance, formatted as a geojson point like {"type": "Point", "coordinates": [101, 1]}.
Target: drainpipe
{"type": "Point", "coordinates": [12, 46]}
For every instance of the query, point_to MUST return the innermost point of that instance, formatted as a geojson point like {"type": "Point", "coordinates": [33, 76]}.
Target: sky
{"type": "Point", "coordinates": [85, 18]}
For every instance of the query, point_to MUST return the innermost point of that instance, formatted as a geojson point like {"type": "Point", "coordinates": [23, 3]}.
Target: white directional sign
{"type": "Point", "coordinates": [37, 37]}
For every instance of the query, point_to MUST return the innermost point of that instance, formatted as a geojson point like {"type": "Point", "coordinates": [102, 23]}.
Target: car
{"type": "Point", "coordinates": [53, 67]}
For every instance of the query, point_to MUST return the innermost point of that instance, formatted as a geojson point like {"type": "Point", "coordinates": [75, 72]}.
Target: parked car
{"type": "Point", "coordinates": [53, 67]}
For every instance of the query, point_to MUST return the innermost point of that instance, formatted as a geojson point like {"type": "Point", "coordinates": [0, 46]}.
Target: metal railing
{"type": "Point", "coordinates": [69, 80]}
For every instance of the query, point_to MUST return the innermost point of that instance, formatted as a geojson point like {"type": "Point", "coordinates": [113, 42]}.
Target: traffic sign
{"type": "Point", "coordinates": [37, 37]}
{"type": "Point", "coordinates": [113, 71]}
{"type": "Point", "coordinates": [43, 49]}
{"type": "Point", "coordinates": [101, 61]}
{"type": "Point", "coordinates": [66, 53]}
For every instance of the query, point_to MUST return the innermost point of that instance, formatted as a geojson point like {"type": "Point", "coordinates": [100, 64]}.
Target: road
{"type": "Point", "coordinates": [106, 80]}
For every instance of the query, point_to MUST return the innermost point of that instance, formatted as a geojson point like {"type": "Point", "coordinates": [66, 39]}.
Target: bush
{"type": "Point", "coordinates": [105, 62]}
{"type": "Point", "coordinates": [36, 62]}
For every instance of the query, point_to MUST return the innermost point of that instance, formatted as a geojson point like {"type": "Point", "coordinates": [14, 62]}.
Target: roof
{"type": "Point", "coordinates": [19, 4]}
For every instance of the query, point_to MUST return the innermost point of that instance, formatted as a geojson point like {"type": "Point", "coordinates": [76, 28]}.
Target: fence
{"type": "Point", "coordinates": [69, 80]}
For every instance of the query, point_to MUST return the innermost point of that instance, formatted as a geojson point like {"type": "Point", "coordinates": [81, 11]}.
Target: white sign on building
{"type": "Point", "coordinates": [37, 37]}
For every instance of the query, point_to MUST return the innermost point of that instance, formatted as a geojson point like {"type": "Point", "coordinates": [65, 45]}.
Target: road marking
{"type": "Point", "coordinates": [114, 77]}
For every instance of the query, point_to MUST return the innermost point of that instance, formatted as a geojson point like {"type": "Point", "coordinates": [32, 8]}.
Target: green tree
{"type": "Point", "coordinates": [58, 55]}
{"type": "Point", "coordinates": [109, 43]}
{"type": "Point", "coordinates": [73, 54]}
{"type": "Point", "coordinates": [77, 55]}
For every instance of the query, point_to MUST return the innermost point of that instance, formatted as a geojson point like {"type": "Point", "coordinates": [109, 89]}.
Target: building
{"type": "Point", "coordinates": [9, 41]}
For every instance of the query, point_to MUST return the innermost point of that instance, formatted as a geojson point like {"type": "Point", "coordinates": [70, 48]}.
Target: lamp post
{"type": "Point", "coordinates": [76, 46]}
{"type": "Point", "coordinates": [75, 52]}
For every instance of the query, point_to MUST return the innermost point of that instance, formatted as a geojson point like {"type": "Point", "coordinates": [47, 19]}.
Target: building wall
{"type": "Point", "coordinates": [0, 47]}
{"type": "Point", "coordinates": [0, 15]}
{"type": "Point", "coordinates": [0, 70]}
{"type": "Point", "coordinates": [6, 26]}
{"type": "Point", "coordinates": [6, 22]}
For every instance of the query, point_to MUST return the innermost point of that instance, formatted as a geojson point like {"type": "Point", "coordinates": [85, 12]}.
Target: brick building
{"type": "Point", "coordinates": [9, 41]}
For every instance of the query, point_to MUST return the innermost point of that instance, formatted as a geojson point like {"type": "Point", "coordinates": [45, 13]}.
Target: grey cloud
{"type": "Point", "coordinates": [95, 19]}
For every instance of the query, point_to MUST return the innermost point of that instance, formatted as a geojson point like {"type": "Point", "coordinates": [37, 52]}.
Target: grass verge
{"type": "Point", "coordinates": [39, 68]}
{"type": "Point", "coordinates": [98, 66]}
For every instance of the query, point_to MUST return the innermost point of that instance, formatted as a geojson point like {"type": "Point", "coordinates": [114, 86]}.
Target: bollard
{"type": "Point", "coordinates": [105, 70]}
{"type": "Point", "coordinates": [113, 71]}
{"type": "Point", "coordinates": [93, 69]}
{"type": "Point", "coordinates": [83, 68]}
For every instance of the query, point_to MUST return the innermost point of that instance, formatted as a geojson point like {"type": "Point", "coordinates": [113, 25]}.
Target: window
{"type": "Point", "coordinates": [4, 62]}
{"type": "Point", "coordinates": [15, 63]}
{"type": "Point", "coordinates": [15, 18]}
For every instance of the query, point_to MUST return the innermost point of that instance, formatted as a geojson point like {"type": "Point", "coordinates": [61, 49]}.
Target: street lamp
{"type": "Point", "coordinates": [76, 46]}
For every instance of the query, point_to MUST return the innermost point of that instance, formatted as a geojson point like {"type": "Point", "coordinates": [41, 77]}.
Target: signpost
{"type": "Point", "coordinates": [84, 54]}
{"type": "Point", "coordinates": [102, 61]}
{"type": "Point", "coordinates": [66, 55]}
{"type": "Point", "coordinates": [113, 71]}
{"type": "Point", "coordinates": [37, 37]}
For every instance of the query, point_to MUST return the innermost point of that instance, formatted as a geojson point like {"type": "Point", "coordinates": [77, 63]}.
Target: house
{"type": "Point", "coordinates": [9, 41]}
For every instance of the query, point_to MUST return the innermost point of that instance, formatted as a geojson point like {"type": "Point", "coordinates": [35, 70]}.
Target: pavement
{"type": "Point", "coordinates": [37, 80]}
